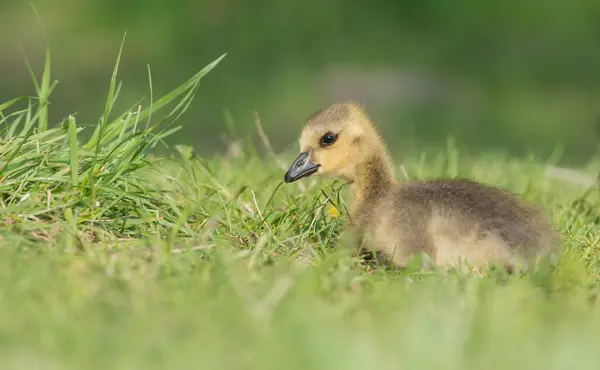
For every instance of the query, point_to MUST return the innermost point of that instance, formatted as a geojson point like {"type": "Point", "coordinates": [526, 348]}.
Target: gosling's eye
{"type": "Point", "coordinates": [328, 139]}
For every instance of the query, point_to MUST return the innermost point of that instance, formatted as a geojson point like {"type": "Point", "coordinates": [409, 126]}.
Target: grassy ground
{"type": "Point", "coordinates": [114, 258]}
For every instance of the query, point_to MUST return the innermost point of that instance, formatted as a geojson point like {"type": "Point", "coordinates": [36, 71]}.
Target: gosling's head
{"type": "Point", "coordinates": [335, 141]}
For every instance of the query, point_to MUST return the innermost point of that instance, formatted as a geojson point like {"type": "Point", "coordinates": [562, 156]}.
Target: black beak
{"type": "Point", "coordinates": [301, 167]}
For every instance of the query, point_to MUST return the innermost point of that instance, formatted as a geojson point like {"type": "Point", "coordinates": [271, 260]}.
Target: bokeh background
{"type": "Point", "coordinates": [513, 76]}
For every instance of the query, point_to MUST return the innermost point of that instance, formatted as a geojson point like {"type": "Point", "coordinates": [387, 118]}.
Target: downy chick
{"type": "Point", "coordinates": [452, 221]}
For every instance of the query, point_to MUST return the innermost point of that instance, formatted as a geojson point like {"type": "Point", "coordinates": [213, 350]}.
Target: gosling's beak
{"type": "Point", "coordinates": [301, 167]}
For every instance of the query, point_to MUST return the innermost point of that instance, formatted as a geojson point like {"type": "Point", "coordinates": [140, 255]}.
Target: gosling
{"type": "Point", "coordinates": [452, 222]}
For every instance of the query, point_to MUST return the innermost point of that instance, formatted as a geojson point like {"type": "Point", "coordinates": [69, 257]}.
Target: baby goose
{"type": "Point", "coordinates": [453, 221]}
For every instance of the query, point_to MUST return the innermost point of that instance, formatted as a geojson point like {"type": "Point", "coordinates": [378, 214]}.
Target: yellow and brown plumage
{"type": "Point", "coordinates": [451, 220]}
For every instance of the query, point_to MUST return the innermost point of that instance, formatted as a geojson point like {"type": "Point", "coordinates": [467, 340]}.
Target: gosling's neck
{"type": "Point", "coordinates": [374, 178]}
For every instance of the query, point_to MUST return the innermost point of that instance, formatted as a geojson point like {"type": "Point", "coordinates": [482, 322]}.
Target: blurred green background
{"type": "Point", "coordinates": [514, 76]}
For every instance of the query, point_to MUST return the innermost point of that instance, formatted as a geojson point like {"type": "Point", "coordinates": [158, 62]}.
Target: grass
{"type": "Point", "coordinates": [112, 257]}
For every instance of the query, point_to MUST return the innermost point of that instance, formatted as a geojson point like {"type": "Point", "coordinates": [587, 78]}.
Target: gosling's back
{"type": "Point", "coordinates": [454, 221]}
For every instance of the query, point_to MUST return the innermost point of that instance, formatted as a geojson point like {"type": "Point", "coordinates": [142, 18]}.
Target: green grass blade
{"type": "Point", "coordinates": [44, 94]}
{"type": "Point", "coordinates": [151, 96]}
{"type": "Point", "coordinates": [31, 73]}
{"type": "Point", "coordinates": [171, 96]}
{"type": "Point", "coordinates": [73, 150]}
{"type": "Point", "coordinates": [6, 105]}
{"type": "Point", "coordinates": [110, 98]}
